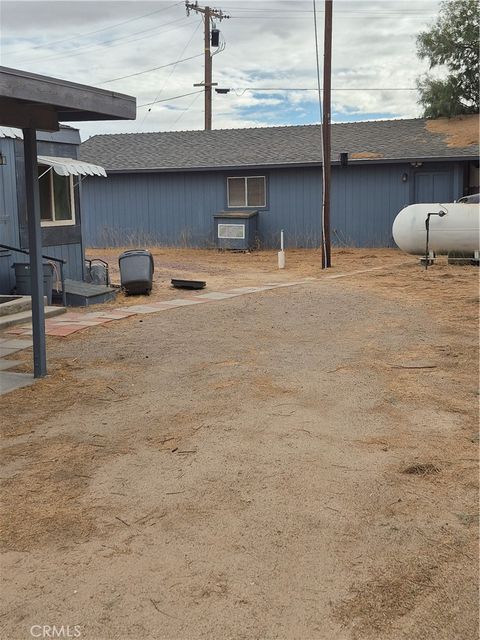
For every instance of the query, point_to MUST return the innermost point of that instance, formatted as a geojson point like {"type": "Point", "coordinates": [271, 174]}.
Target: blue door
{"type": "Point", "coordinates": [433, 186]}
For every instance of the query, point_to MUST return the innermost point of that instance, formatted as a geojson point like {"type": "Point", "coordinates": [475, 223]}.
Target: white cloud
{"type": "Point", "coordinates": [269, 44]}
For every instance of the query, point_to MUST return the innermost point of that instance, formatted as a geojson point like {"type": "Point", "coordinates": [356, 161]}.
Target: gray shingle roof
{"type": "Point", "coordinates": [273, 146]}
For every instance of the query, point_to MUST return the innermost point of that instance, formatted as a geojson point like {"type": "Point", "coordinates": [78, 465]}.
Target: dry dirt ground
{"type": "Point", "coordinates": [222, 270]}
{"type": "Point", "coordinates": [299, 463]}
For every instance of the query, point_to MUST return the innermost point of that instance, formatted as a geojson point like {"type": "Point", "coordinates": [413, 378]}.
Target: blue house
{"type": "Point", "coordinates": [166, 188]}
{"type": "Point", "coordinates": [60, 175]}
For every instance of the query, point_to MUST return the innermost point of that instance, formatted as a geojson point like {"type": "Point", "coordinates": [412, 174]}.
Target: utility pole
{"type": "Point", "coordinates": [326, 131]}
{"type": "Point", "coordinates": [208, 14]}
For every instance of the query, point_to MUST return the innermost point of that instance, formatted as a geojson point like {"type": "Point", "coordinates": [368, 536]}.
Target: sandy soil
{"type": "Point", "coordinates": [300, 463]}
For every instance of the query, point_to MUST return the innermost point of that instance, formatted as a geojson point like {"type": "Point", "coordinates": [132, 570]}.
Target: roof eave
{"type": "Point", "coordinates": [286, 165]}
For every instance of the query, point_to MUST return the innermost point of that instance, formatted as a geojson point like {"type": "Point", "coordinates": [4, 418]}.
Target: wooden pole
{"type": "Point", "coordinates": [327, 146]}
{"type": "Point", "coordinates": [208, 73]}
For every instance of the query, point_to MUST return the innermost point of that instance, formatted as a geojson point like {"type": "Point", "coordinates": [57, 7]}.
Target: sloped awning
{"type": "Point", "coordinates": [71, 167]}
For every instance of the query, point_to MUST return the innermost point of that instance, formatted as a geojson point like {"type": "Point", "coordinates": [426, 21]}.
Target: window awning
{"type": "Point", "coordinates": [71, 167]}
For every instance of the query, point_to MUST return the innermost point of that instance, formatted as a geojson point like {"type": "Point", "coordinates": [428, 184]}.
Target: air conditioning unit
{"type": "Point", "coordinates": [236, 230]}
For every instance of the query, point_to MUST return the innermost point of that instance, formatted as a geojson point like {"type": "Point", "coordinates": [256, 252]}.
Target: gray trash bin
{"type": "Point", "coordinates": [23, 281]}
{"type": "Point", "coordinates": [136, 271]}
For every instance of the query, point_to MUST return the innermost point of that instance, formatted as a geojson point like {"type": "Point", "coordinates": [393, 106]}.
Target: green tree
{"type": "Point", "coordinates": [453, 43]}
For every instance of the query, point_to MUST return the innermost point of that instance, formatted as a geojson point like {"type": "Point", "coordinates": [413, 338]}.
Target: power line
{"type": "Point", "coordinates": [81, 50]}
{"type": "Point", "coordinates": [191, 93]}
{"type": "Point", "coordinates": [89, 33]}
{"type": "Point", "coordinates": [174, 67]}
{"type": "Point", "coordinates": [163, 66]}
{"type": "Point", "coordinates": [184, 111]}
{"type": "Point", "coordinates": [147, 104]}
{"type": "Point", "coordinates": [260, 89]}
{"type": "Point", "coordinates": [344, 15]}
{"type": "Point", "coordinates": [337, 11]}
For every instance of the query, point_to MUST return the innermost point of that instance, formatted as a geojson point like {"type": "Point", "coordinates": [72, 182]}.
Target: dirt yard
{"type": "Point", "coordinates": [297, 463]}
{"type": "Point", "coordinates": [222, 270]}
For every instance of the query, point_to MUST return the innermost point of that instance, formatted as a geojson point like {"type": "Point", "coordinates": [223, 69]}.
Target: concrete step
{"type": "Point", "coordinates": [24, 317]}
{"type": "Point", "coordinates": [83, 294]}
{"type": "Point", "coordinates": [15, 304]}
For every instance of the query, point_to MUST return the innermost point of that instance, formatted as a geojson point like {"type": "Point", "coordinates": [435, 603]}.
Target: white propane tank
{"type": "Point", "coordinates": [457, 230]}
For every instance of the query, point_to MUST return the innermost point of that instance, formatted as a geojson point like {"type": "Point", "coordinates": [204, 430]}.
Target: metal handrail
{"type": "Point", "coordinates": [59, 260]}
{"type": "Point", "coordinates": [107, 268]}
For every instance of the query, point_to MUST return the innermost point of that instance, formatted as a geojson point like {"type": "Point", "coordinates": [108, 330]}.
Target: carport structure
{"type": "Point", "coordinates": [33, 102]}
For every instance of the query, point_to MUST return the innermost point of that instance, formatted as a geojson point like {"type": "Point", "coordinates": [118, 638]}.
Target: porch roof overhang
{"type": "Point", "coordinates": [29, 100]}
{"type": "Point", "coordinates": [71, 167]}
{"type": "Point", "coordinates": [32, 102]}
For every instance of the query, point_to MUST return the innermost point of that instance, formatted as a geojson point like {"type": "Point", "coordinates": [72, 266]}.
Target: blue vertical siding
{"type": "Point", "coordinates": [72, 253]}
{"type": "Point", "coordinates": [177, 208]}
{"type": "Point", "coordinates": [12, 186]}
{"type": "Point", "coordinates": [365, 201]}
{"type": "Point", "coordinates": [168, 209]}
{"type": "Point", "coordinates": [8, 213]}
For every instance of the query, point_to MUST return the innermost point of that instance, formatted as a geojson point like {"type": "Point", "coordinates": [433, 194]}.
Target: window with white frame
{"type": "Point", "coordinates": [56, 197]}
{"type": "Point", "coordinates": [248, 191]}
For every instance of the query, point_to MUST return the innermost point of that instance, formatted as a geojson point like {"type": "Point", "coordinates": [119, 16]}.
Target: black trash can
{"type": "Point", "coordinates": [136, 271]}
{"type": "Point", "coordinates": [23, 281]}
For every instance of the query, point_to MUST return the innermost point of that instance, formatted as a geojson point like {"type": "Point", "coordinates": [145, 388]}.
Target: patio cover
{"type": "Point", "coordinates": [71, 167]}
{"type": "Point", "coordinates": [33, 102]}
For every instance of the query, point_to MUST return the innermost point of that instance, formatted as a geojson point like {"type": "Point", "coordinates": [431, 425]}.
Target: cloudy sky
{"type": "Point", "coordinates": [268, 45]}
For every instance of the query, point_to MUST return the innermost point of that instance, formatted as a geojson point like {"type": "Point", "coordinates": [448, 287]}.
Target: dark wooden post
{"type": "Point", "coordinates": [35, 249]}
{"type": "Point", "coordinates": [208, 73]}
{"type": "Point", "coordinates": [326, 130]}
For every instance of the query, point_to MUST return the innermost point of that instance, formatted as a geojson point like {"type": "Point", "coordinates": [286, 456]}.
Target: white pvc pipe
{"type": "Point", "coordinates": [281, 253]}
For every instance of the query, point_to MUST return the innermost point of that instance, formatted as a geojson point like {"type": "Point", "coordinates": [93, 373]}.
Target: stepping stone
{"type": "Point", "coordinates": [248, 289]}
{"type": "Point", "coordinates": [143, 308]}
{"type": "Point", "coordinates": [64, 330]}
{"type": "Point", "coordinates": [6, 351]}
{"type": "Point", "coordinates": [84, 323]}
{"type": "Point", "coordinates": [10, 381]}
{"type": "Point", "coordinates": [217, 295]}
{"type": "Point", "coordinates": [17, 331]}
{"type": "Point", "coordinates": [180, 302]}
{"type": "Point", "coordinates": [117, 315]}
{"type": "Point", "coordinates": [8, 364]}
{"type": "Point", "coordinates": [16, 343]}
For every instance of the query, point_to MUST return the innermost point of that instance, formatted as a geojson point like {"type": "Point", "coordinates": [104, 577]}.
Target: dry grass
{"type": "Point", "coordinates": [422, 469]}
{"type": "Point", "coordinates": [377, 606]}
{"type": "Point", "coordinates": [50, 491]}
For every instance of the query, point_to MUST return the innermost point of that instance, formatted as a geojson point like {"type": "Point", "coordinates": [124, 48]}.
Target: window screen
{"type": "Point", "coordinates": [256, 192]}
{"type": "Point", "coordinates": [236, 192]}
{"type": "Point", "coordinates": [56, 204]}
{"type": "Point", "coordinates": [246, 191]}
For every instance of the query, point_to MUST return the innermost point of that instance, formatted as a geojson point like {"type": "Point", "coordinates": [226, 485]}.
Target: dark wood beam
{"type": "Point", "coordinates": [25, 116]}
{"type": "Point", "coordinates": [84, 102]}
